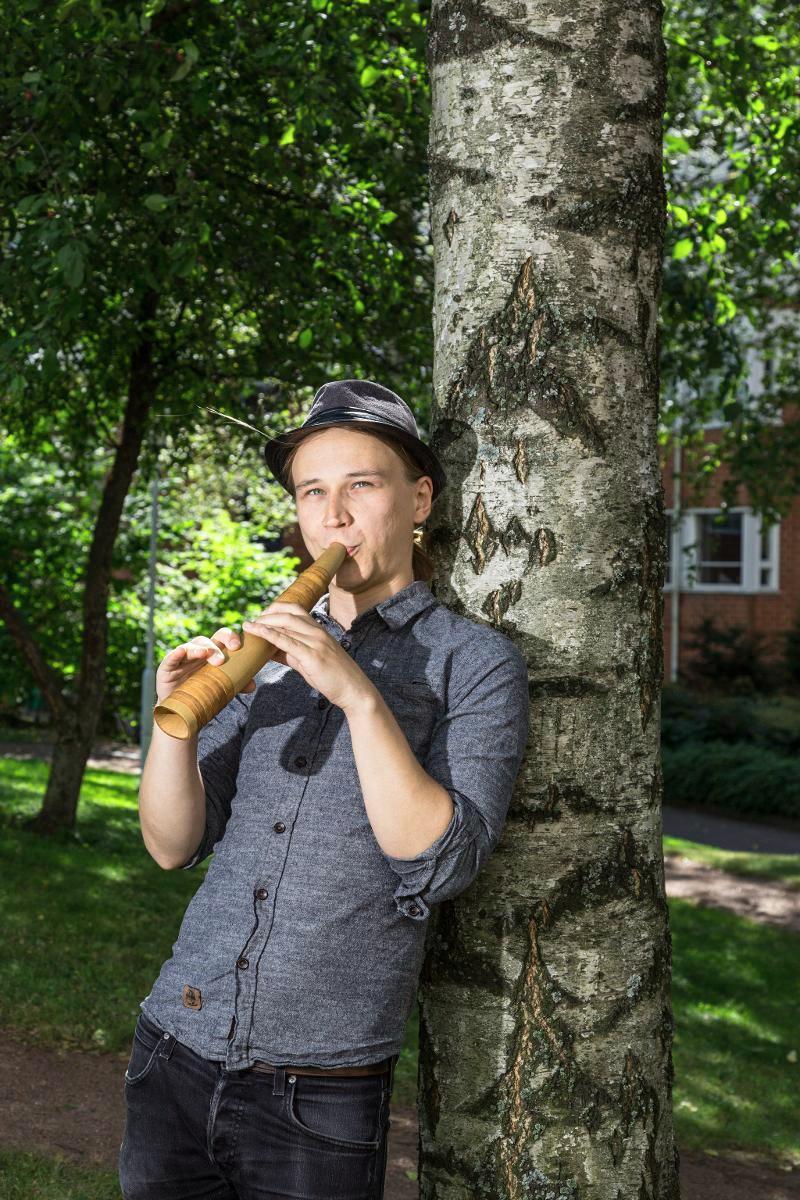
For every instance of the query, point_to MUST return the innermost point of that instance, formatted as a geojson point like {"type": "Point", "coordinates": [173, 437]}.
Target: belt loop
{"type": "Point", "coordinates": [279, 1081]}
{"type": "Point", "coordinates": [392, 1064]}
{"type": "Point", "coordinates": [168, 1041]}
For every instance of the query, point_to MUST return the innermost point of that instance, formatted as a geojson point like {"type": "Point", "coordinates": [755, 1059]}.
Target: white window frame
{"type": "Point", "coordinates": [684, 548]}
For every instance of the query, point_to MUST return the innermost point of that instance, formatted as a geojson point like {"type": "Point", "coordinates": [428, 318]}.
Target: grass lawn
{"type": "Point", "coordinates": [782, 868]}
{"type": "Point", "coordinates": [89, 919]}
{"type": "Point", "coordinates": [32, 1177]}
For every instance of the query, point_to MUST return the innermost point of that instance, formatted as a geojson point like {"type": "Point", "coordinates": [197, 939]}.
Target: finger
{"type": "Point", "coordinates": [273, 633]}
{"type": "Point", "coordinates": [190, 650]}
{"type": "Point", "coordinates": [284, 606]}
{"type": "Point", "coordinates": [227, 637]}
{"type": "Point", "coordinates": [290, 620]}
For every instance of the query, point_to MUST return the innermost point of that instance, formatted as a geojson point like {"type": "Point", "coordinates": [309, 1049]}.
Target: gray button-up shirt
{"type": "Point", "coordinates": [304, 941]}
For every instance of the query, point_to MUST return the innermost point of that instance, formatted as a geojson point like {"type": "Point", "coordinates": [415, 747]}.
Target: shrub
{"type": "Point", "coordinates": [744, 779]}
{"type": "Point", "coordinates": [733, 658]}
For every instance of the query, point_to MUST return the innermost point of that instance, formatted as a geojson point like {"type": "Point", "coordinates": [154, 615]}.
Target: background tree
{"type": "Point", "coordinates": [194, 197]}
{"type": "Point", "coordinates": [545, 1017]}
{"type": "Point", "coordinates": [731, 294]}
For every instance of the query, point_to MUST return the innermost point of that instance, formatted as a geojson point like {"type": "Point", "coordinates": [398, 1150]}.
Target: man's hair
{"type": "Point", "coordinates": [423, 566]}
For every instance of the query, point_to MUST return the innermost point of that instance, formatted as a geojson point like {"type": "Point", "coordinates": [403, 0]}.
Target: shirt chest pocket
{"type": "Point", "coordinates": [415, 708]}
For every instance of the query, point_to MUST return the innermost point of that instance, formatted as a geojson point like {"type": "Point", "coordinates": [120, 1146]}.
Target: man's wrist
{"type": "Point", "coordinates": [363, 701]}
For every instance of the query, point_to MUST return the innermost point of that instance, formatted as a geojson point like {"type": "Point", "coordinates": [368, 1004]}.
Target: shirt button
{"type": "Point", "coordinates": [322, 702]}
{"type": "Point", "coordinates": [243, 962]}
{"type": "Point", "coordinates": [279, 826]}
{"type": "Point", "coordinates": [414, 910]}
{"type": "Point", "coordinates": [262, 893]}
{"type": "Point", "coordinates": [300, 761]}
{"type": "Point", "coordinates": [345, 643]}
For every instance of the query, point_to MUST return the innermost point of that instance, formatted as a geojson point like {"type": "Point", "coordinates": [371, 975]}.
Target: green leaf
{"type": "Point", "coordinates": [387, 217]}
{"type": "Point", "coordinates": [71, 260]}
{"type": "Point", "coordinates": [288, 136]}
{"type": "Point", "coordinates": [368, 76]}
{"type": "Point", "coordinates": [192, 55]}
{"type": "Point", "coordinates": [680, 214]}
{"type": "Point", "coordinates": [156, 202]}
{"type": "Point", "coordinates": [305, 338]}
{"type": "Point", "coordinates": [31, 204]}
{"type": "Point", "coordinates": [767, 42]}
{"type": "Point", "coordinates": [682, 249]}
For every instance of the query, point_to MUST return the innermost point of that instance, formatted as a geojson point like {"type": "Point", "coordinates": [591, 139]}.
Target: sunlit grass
{"type": "Point", "coordinates": [736, 993]}
{"type": "Point", "coordinates": [783, 868]}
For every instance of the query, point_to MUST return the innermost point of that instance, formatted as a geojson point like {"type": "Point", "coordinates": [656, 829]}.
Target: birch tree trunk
{"type": "Point", "coordinates": [545, 1013]}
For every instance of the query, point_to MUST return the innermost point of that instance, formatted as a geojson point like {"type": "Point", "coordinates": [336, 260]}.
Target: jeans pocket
{"type": "Point", "coordinates": [146, 1041]}
{"type": "Point", "coordinates": [346, 1111]}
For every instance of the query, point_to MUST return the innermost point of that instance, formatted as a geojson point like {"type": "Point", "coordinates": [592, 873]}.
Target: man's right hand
{"type": "Point", "coordinates": [181, 663]}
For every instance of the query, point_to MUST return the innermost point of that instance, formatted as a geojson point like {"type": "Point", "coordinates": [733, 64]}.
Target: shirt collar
{"type": "Point", "coordinates": [396, 610]}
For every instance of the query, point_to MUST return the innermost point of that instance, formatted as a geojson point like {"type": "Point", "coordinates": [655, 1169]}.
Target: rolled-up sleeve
{"type": "Point", "coordinates": [219, 747]}
{"type": "Point", "coordinates": [476, 753]}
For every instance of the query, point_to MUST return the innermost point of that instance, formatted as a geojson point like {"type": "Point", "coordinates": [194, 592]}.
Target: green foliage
{"type": "Point", "coordinates": [732, 159]}
{"type": "Point", "coordinates": [739, 753]}
{"type": "Point", "coordinates": [258, 171]}
{"type": "Point", "coordinates": [773, 722]}
{"type": "Point", "coordinates": [743, 779]}
{"type": "Point", "coordinates": [212, 565]}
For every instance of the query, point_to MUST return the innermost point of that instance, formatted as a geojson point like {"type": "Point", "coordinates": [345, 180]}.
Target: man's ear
{"type": "Point", "coordinates": [424, 494]}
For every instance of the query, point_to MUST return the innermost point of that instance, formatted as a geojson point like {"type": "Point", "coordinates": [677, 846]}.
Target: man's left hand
{"type": "Point", "coordinates": [305, 646]}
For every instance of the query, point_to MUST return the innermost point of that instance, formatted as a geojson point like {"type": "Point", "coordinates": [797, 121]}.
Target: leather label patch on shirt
{"type": "Point", "coordinates": [192, 997]}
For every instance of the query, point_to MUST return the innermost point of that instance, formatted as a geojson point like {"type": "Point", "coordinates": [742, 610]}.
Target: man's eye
{"type": "Point", "coordinates": [314, 489]}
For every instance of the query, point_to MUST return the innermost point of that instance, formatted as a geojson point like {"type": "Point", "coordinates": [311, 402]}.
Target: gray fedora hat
{"type": "Point", "coordinates": [357, 400]}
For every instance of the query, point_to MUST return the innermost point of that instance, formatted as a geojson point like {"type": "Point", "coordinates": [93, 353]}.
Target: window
{"type": "Point", "coordinates": [719, 552]}
{"type": "Point", "coordinates": [714, 551]}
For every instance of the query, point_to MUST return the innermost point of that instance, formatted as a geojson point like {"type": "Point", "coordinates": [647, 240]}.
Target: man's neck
{"type": "Point", "coordinates": [344, 606]}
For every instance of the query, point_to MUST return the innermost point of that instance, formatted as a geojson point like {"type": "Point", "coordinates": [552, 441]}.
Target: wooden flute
{"type": "Point", "coordinates": [205, 693]}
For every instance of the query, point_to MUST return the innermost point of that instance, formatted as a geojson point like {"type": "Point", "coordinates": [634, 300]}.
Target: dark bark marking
{"type": "Point", "coordinates": [514, 362]}
{"type": "Point", "coordinates": [498, 602]}
{"type": "Point", "coordinates": [442, 169]}
{"type": "Point", "coordinates": [514, 535]}
{"type": "Point", "coordinates": [543, 547]}
{"type": "Point", "coordinates": [520, 460]}
{"type": "Point", "coordinates": [480, 535]}
{"type": "Point", "coordinates": [450, 225]}
{"type": "Point", "coordinates": [572, 686]}
{"type": "Point", "coordinates": [465, 28]}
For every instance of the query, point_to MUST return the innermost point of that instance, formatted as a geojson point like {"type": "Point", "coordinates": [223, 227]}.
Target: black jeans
{"type": "Point", "coordinates": [194, 1129]}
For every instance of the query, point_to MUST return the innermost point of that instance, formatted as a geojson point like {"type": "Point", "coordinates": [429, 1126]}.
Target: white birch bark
{"type": "Point", "coordinates": [545, 1014]}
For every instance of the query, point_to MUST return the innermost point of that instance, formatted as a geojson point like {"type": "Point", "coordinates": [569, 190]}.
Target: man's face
{"type": "Point", "coordinates": [351, 488]}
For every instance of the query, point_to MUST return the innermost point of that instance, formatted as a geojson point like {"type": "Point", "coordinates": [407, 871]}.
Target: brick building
{"type": "Point", "coordinates": [735, 570]}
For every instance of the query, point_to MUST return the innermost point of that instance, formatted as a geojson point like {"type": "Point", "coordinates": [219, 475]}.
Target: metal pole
{"type": "Point", "coordinates": [677, 561]}
{"type": "Point", "coordinates": [148, 692]}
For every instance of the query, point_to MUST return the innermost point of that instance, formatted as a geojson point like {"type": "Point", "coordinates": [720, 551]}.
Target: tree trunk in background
{"type": "Point", "coordinates": [77, 715]}
{"type": "Point", "coordinates": [545, 1014]}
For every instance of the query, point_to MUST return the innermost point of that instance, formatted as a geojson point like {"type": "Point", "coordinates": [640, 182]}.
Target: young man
{"type": "Point", "coordinates": [362, 777]}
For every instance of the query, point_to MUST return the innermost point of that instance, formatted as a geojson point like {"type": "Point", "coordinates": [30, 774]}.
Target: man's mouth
{"type": "Point", "coordinates": [352, 549]}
